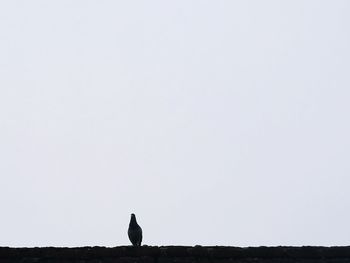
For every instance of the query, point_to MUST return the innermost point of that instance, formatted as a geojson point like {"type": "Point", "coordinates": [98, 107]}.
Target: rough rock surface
{"type": "Point", "coordinates": [176, 254]}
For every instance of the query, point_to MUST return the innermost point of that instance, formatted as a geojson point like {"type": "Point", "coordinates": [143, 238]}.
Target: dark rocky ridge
{"type": "Point", "coordinates": [176, 254]}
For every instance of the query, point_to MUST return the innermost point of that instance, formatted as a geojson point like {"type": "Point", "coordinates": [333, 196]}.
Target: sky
{"type": "Point", "coordinates": [215, 122]}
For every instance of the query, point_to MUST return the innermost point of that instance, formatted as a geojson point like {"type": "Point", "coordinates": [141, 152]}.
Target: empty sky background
{"type": "Point", "coordinates": [216, 122]}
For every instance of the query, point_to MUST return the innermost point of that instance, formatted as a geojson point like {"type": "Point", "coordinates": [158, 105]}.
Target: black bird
{"type": "Point", "coordinates": [134, 232]}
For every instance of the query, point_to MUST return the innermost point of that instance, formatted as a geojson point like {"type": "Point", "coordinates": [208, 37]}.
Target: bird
{"type": "Point", "coordinates": [134, 232]}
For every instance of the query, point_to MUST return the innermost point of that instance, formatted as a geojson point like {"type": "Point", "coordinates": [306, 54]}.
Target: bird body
{"type": "Point", "coordinates": [134, 232]}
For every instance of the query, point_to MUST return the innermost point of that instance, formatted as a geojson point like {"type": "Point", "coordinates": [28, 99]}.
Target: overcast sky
{"type": "Point", "coordinates": [215, 122]}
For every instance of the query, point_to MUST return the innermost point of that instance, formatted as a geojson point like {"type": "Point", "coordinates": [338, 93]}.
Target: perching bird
{"type": "Point", "coordinates": [134, 232]}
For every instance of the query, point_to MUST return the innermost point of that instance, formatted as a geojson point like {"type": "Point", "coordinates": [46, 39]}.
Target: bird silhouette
{"type": "Point", "coordinates": [134, 232]}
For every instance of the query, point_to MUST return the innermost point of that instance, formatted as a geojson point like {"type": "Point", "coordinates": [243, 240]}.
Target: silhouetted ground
{"type": "Point", "coordinates": [176, 254]}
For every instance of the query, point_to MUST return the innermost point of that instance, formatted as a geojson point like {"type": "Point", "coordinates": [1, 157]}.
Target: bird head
{"type": "Point", "coordinates": [133, 219]}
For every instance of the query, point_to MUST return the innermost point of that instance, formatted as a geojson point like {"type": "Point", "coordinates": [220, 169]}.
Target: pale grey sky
{"type": "Point", "coordinates": [215, 122]}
